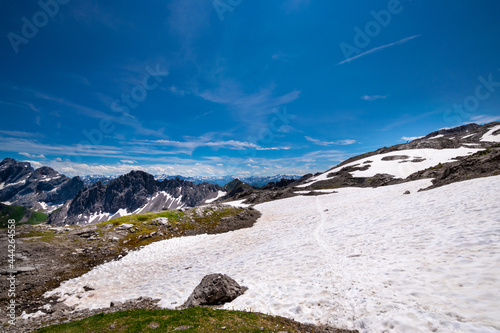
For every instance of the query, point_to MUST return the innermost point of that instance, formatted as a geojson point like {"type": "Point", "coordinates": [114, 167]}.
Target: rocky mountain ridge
{"type": "Point", "coordinates": [135, 192]}
{"type": "Point", "coordinates": [43, 189]}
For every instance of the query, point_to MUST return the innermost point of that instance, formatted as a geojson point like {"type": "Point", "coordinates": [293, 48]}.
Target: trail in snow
{"type": "Point", "coordinates": [371, 259]}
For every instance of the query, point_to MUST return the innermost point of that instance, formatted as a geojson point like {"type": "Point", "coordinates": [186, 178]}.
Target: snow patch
{"type": "Point", "coordinates": [219, 195]}
{"type": "Point", "coordinates": [121, 212]}
{"type": "Point", "coordinates": [436, 137]}
{"type": "Point", "coordinates": [45, 179]}
{"type": "Point", "coordinates": [237, 204]}
{"type": "Point", "coordinates": [21, 182]}
{"type": "Point", "coordinates": [489, 137]}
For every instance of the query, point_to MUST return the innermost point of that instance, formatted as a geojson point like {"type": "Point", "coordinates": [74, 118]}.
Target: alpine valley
{"type": "Point", "coordinates": [401, 237]}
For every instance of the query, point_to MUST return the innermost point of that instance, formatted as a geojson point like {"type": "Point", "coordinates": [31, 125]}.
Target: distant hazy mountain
{"type": "Point", "coordinates": [257, 181]}
{"type": "Point", "coordinates": [92, 179]}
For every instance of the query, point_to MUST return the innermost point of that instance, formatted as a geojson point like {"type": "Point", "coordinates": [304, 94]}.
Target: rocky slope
{"type": "Point", "coordinates": [43, 189]}
{"type": "Point", "coordinates": [453, 148]}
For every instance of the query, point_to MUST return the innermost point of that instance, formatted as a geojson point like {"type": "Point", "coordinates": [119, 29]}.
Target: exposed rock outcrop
{"type": "Point", "coordinates": [215, 289]}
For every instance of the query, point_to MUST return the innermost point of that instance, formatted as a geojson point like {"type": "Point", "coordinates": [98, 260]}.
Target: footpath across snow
{"type": "Point", "coordinates": [371, 259]}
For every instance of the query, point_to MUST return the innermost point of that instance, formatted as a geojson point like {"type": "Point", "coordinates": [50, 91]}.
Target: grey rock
{"type": "Point", "coordinates": [86, 232]}
{"type": "Point", "coordinates": [395, 157]}
{"type": "Point", "coordinates": [215, 289]}
{"type": "Point", "coordinates": [124, 226]}
{"type": "Point", "coordinates": [160, 221]}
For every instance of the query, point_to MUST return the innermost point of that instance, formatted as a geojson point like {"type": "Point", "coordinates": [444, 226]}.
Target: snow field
{"type": "Point", "coordinates": [371, 259]}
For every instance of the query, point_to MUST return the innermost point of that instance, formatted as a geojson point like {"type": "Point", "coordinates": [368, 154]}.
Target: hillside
{"type": "Point", "coordinates": [400, 163]}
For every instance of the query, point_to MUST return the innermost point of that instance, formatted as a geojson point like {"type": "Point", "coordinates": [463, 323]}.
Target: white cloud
{"type": "Point", "coordinates": [411, 138]}
{"type": "Point", "coordinates": [373, 97]}
{"type": "Point", "coordinates": [484, 119]}
{"type": "Point", "coordinates": [128, 161]}
{"type": "Point", "coordinates": [176, 91]}
{"type": "Point", "coordinates": [32, 156]}
{"type": "Point", "coordinates": [330, 143]}
{"type": "Point", "coordinates": [228, 144]}
{"type": "Point", "coordinates": [262, 102]}
{"type": "Point", "coordinates": [20, 134]}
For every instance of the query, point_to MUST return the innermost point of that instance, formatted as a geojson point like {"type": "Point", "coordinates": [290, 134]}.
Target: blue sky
{"type": "Point", "coordinates": [238, 87]}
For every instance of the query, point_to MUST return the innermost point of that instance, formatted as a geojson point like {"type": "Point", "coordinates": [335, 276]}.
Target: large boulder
{"type": "Point", "coordinates": [215, 289]}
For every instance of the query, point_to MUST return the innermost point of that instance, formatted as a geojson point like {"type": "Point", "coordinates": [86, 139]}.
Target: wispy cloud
{"type": "Point", "coordinates": [379, 48]}
{"type": "Point", "coordinates": [32, 156]}
{"type": "Point", "coordinates": [373, 97]}
{"type": "Point", "coordinates": [484, 119]}
{"type": "Point", "coordinates": [128, 152]}
{"type": "Point", "coordinates": [252, 110]}
{"type": "Point", "coordinates": [330, 143]}
{"type": "Point", "coordinates": [125, 119]}
{"type": "Point", "coordinates": [19, 134]}
{"type": "Point", "coordinates": [411, 138]}
{"type": "Point", "coordinates": [22, 104]}
{"type": "Point", "coordinates": [262, 102]}
{"type": "Point", "coordinates": [229, 144]}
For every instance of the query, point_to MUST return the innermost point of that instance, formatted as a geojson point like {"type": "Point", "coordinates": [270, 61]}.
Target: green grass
{"type": "Point", "coordinates": [181, 223]}
{"type": "Point", "coordinates": [44, 236]}
{"type": "Point", "coordinates": [172, 215]}
{"type": "Point", "coordinates": [189, 320]}
{"type": "Point", "coordinates": [37, 217]}
{"type": "Point", "coordinates": [17, 213]}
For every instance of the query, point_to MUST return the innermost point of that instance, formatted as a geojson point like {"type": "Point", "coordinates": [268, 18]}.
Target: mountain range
{"type": "Point", "coordinates": [447, 155]}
